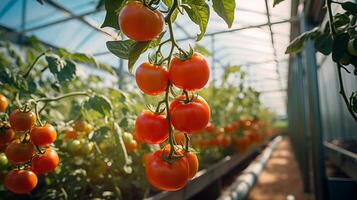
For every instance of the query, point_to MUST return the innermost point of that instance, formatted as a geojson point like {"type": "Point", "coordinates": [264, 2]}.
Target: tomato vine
{"type": "Point", "coordinates": [337, 38]}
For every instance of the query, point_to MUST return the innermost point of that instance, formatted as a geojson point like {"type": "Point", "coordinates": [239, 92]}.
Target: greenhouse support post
{"type": "Point", "coordinates": [314, 117]}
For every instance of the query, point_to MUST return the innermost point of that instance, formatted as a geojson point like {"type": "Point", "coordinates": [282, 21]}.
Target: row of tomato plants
{"type": "Point", "coordinates": [86, 144]}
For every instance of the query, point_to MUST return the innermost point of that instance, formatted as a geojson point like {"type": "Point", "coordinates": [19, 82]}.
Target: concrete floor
{"type": "Point", "coordinates": [280, 178]}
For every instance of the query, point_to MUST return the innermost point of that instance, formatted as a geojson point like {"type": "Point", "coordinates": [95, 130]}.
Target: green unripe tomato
{"type": "Point", "coordinates": [74, 147]}
{"type": "Point", "coordinates": [127, 137]}
{"type": "Point", "coordinates": [351, 47]}
{"type": "Point", "coordinates": [3, 160]}
{"type": "Point", "coordinates": [87, 147]}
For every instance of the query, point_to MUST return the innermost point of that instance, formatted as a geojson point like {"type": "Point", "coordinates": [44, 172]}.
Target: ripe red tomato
{"type": "Point", "coordinates": [46, 162]}
{"type": "Point", "coordinates": [3, 103]}
{"type": "Point", "coordinates": [22, 121]}
{"type": "Point", "coordinates": [210, 128]}
{"type": "Point", "coordinates": [164, 175]}
{"type": "Point", "coordinates": [131, 146]}
{"type": "Point", "coordinates": [6, 134]}
{"type": "Point", "coordinates": [229, 128]}
{"type": "Point", "coordinates": [189, 117]}
{"type": "Point", "coordinates": [43, 135]}
{"type": "Point", "coordinates": [193, 163]}
{"type": "Point", "coordinates": [152, 128]}
{"type": "Point", "coordinates": [137, 138]}
{"type": "Point", "coordinates": [69, 134]}
{"type": "Point", "coordinates": [190, 74]}
{"type": "Point", "coordinates": [139, 22]}
{"type": "Point", "coordinates": [20, 181]}
{"type": "Point", "coordinates": [151, 79]}
{"type": "Point", "coordinates": [18, 152]}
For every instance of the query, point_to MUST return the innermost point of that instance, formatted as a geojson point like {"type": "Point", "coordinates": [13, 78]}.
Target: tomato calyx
{"type": "Point", "coordinates": [188, 97]}
{"type": "Point", "coordinates": [184, 55]}
{"type": "Point", "coordinates": [26, 108]}
{"type": "Point", "coordinates": [153, 4]}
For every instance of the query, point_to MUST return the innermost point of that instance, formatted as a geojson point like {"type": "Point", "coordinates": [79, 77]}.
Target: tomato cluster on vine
{"type": "Point", "coordinates": [26, 142]}
{"type": "Point", "coordinates": [171, 167]}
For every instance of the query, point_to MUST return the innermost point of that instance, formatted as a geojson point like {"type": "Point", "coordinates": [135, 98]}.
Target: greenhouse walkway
{"type": "Point", "coordinates": [280, 178]}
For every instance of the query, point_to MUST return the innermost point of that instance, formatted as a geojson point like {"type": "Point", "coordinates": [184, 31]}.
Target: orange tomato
{"type": "Point", "coordinates": [45, 163]}
{"type": "Point", "coordinates": [3, 103]}
{"type": "Point", "coordinates": [18, 152]}
{"type": "Point", "coordinates": [152, 128]}
{"type": "Point", "coordinates": [139, 22]}
{"type": "Point", "coordinates": [170, 176]}
{"type": "Point", "coordinates": [190, 74]}
{"type": "Point", "coordinates": [6, 134]}
{"type": "Point", "coordinates": [43, 135]}
{"type": "Point", "coordinates": [189, 117]}
{"type": "Point", "coordinates": [22, 121]}
{"type": "Point", "coordinates": [20, 181]}
{"type": "Point", "coordinates": [151, 79]}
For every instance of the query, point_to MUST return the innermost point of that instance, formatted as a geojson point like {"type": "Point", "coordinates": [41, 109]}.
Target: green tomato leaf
{"type": "Point", "coordinates": [297, 44]}
{"type": "Point", "coordinates": [276, 2]}
{"type": "Point", "coordinates": [198, 11]}
{"type": "Point", "coordinates": [339, 48]}
{"type": "Point", "coordinates": [201, 49]}
{"type": "Point", "coordinates": [350, 7]}
{"type": "Point", "coordinates": [63, 70]}
{"type": "Point", "coordinates": [135, 53]}
{"type": "Point", "coordinates": [323, 43]}
{"type": "Point", "coordinates": [85, 58]}
{"type": "Point", "coordinates": [225, 9]}
{"type": "Point", "coordinates": [111, 18]}
{"type": "Point", "coordinates": [100, 104]}
{"type": "Point", "coordinates": [121, 48]}
{"type": "Point", "coordinates": [341, 20]}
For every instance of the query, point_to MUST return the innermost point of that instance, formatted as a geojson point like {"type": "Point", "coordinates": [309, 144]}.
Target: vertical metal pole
{"type": "Point", "coordinates": [303, 130]}
{"type": "Point", "coordinates": [314, 118]}
{"type": "Point", "coordinates": [23, 22]}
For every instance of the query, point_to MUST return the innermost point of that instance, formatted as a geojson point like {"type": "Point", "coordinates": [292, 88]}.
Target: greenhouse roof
{"type": "Point", "coordinates": [256, 41]}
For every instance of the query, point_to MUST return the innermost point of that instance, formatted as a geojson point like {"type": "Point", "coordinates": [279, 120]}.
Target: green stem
{"type": "Point", "coordinates": [168, 20]}
{"type": "Point", "coordinates": [343, 93]}
{"type": "Point", "coordinates": [34, 63]}
{"type": "Point", "coordinates": [187, 142]}
{"type": "Point", "coordinates": [330, 15]}
{"type": "Point", "coordinates": [72, 94]}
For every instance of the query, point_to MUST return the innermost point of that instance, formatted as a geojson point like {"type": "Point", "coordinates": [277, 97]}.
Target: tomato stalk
{"type": "Point", "coordinates": [339, 66]}
{"type": "Point", "coordinates": [72, 94]}
{"type": "Point", "coordinates": [187, 142]}
{"type": "Point", "coordinates": [168, 20]}
{"type": "Point", "coordinates": [34, 62]}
